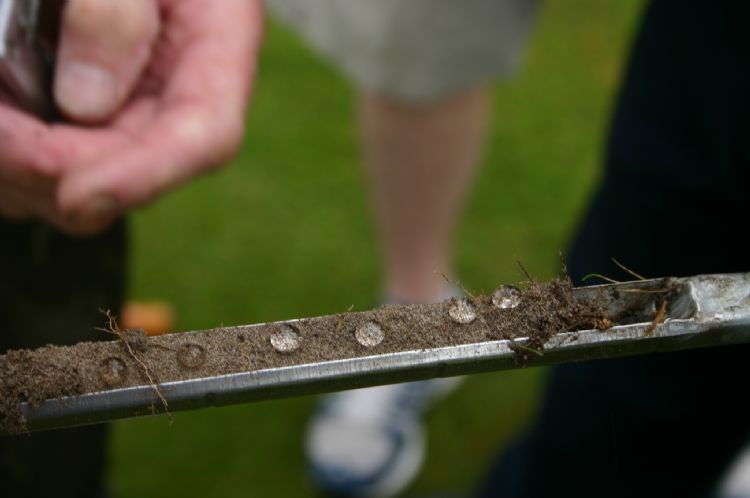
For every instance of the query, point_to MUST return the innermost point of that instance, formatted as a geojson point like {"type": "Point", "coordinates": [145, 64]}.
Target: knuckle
{"type": "Point", "coordinates": [231, 137]}
{"type": "Point", "coordinates": [215, 140]}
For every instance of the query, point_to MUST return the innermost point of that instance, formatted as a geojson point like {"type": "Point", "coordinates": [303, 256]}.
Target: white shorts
{"type": "Point", "coordinates": [415, 50]}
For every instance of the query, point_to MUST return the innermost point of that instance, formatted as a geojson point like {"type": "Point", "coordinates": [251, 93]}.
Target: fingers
{"type": "Point", "coordinates": [25, 145]}
{"type": "Point", "coordinates": [19, 203]}
{"type": "Point", "coordinates": [200, 120]}
{"type": "Point", "coordinates": [187, 143]}
{"type": "Point", "coordinates": [190, 120]}
{"type": "Point", "coordinates": [33, 155]}
{"type": "Point", "coordinates": [104, 47]}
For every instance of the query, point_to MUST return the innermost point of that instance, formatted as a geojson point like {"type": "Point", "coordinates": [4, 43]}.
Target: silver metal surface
{"type": "Point", "coordinates": [703, 311]}
{"type": "Point", "coordinates": [24, 70]}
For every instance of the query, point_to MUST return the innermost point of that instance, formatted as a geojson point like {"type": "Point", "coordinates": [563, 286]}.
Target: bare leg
{"type": "Point", "coordinates": [421, 160]}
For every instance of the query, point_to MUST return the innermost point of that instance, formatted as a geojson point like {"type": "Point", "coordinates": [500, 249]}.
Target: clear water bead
{"type": "Point", "coordinates": [369, 334]}
{"type": "Point", "coordinates": [191, 355]}
{"type": "Point", "coordinates": [506, 297]}
{"type": "Point", "coordinates": [462, 311]}
{"type": "Point", "coordinates": [286, 340]}
{"type": "Point", "coordinates": [113, 371]}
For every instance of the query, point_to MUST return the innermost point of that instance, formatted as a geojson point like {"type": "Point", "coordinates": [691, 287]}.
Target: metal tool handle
{"type": "Point", "coordinates": [28, 42]}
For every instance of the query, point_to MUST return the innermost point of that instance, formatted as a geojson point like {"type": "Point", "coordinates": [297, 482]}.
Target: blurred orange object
{"type": "Point", "coordinates": [155, 317]}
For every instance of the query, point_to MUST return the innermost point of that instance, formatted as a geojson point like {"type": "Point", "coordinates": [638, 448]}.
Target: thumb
{"type": "Point", "coordinates": [104, 47]}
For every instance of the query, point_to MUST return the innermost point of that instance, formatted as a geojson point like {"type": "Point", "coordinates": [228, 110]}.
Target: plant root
{"type": "Point", "coordinates": [136, 341]}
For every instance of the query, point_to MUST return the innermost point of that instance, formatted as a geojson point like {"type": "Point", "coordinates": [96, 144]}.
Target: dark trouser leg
{"type": "Point", "coordinates": [652, 426]}
{"type": "Point", "coordinates": [51, 290]}
{"type": "Point", "coordinates": [657, 426]}
{"type": "Point", "coordinates": [673, 199]}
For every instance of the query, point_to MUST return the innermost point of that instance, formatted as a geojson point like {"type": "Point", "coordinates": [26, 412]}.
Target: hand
{"type": "Point", "coordinates": [165, 84]}
{"type": "Point", "coordinates": [92, 82]}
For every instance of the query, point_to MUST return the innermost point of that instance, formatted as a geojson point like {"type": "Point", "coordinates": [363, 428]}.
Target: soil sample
{"type": "Point", "coordinates": [536, 312]}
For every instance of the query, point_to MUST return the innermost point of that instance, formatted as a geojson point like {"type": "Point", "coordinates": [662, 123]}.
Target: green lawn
{"type": "Point", "coordinates": [285, 232]}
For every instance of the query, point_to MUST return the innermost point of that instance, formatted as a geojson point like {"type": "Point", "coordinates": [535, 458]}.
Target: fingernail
{"type": "Point", "coordinates": [85, 91]}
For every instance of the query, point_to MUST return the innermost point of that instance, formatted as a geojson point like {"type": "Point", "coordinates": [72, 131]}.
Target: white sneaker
{"type": "Point", "coordinates": [371, 442]}
{"type": "Point", "coordinates": [736, 484]}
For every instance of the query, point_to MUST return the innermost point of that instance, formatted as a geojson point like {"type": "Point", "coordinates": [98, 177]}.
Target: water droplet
{"type": "Point", "coordinates": [191, 355]}
{"type": "Point", "coordinates": [462, 311]}
{"type": "Point", "coordinates": [113, 371]}
{"type": "Point", "coordinates": [506, 297]}
{"type": "Point", "coordinates": [369, 334]}
{"type": "Point", "coordinates": [286, 340]}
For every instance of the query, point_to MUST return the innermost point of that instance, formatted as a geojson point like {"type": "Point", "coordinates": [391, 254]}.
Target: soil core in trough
{"type": "Point", "coordinates": [536, 312]}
